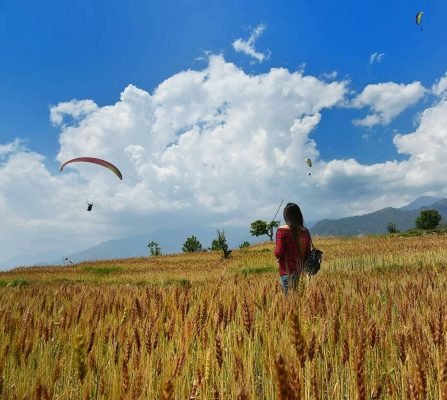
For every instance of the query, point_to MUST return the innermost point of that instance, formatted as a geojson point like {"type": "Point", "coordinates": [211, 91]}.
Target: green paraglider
{"type": "Point", "coordinates": [419, 18]}
{"type": "Point", "coordinates": [309, 163]}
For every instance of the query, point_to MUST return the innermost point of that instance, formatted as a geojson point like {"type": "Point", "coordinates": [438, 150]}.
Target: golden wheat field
{"type": "Point", "coordinates": [369, 325]}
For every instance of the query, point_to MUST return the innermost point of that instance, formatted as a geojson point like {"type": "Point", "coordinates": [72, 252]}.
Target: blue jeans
{"type": "Point", "coordinates": [286, 282]}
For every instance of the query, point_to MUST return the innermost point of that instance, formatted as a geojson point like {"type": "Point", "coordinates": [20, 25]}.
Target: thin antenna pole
{"type": "Point", "coordinates": [282, 201]}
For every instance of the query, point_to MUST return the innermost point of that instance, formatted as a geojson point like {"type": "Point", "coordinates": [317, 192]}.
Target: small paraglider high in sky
{"type": "Point", "coordinates": [419, 18]}
{"type": "Point", "coordinates": [309, 163]}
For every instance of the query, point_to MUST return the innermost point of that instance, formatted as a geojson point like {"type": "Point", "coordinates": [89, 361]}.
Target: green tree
{"type": "Point", "coordinates": [192, 245]}
{"type": "Point", "coordinates": [220, 243]}
{"type": "Point", "coordinates": [391, 228]}
{"type": "Point", "coordinates": [259, 228]}
{"type": "Point", "coordinates": [244, 245]}
{"type": "Point", "coordinates": [215, 245]}
{"type": "Point", "coordinates": [154, 248]}
{"type": "Point", "coordinates": [428, 219]}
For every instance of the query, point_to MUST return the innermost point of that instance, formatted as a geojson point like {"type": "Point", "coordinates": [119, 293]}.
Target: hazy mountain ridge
{"type": "Point", "coordinates": [376, 222]}
{"type": "Point", "coordinates": [171, 240]}
{"type": "Point", "coordinates": [422, 201]}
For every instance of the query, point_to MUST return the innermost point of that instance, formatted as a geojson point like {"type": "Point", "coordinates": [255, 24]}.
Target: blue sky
{"type": "Point", "coordinates": [56, 52]}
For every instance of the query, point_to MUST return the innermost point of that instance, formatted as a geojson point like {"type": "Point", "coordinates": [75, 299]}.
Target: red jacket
{"type": "Point", "coordinates": [286, 248]}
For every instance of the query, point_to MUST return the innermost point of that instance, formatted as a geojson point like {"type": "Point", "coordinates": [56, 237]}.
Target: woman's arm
{"type": "Point", "coordinates": [280, 244]}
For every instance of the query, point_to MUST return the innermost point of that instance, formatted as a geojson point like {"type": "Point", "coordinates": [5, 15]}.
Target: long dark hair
{"type": "Point", "coordinates": [294, 218]}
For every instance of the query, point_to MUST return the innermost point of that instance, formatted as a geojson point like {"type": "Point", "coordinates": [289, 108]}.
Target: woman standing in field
{"type": "Point", "coordinates": [292, 246]}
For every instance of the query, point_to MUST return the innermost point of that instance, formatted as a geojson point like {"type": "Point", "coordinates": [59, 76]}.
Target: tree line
{"type": "Point", "coordinates": [193, 245]}
{"type": "Point", "coordinates": [427, 219]}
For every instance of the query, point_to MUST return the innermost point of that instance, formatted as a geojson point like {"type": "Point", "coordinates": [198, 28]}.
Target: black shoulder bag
{"type": "Point", "coordinates": [313, 260]}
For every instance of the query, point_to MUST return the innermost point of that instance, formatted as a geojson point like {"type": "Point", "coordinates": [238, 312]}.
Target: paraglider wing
{"type": "Point", "coordinates": [419, 17]}
{"type": "Point", "coordinates": [98, 161]}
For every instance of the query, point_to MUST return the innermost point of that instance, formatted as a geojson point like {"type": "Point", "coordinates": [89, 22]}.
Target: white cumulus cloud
{"type": "Point", "coordinates": [207, 145]}
{"type": "Point", "coordinates": [75, 109]}
{"type": "Point", "coordinates": [364, 188]}
{"type": "Point", "coordinates": [248, 46]}
{"type": "Point", "coordinates": [440, 87]}
{"type": "Point", "coordinates": [386, 101]}
{"type": "Point", "coordinates": [12, 147]}
{"type": "Point", "coordinates": [210, 146]}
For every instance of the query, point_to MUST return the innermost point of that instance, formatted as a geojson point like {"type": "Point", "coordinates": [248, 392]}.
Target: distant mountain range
{"type": "Point", "coordinates": [376, 222]}
{"type": "Point", "coordinates": [171, 240]}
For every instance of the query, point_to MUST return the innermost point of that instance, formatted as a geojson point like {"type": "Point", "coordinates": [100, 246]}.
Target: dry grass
{"type": "Point", "coordinates": [370, 325]}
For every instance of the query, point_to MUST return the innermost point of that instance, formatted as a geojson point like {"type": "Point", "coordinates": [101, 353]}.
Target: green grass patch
{"type": "Point", "coordinates": [389, 268]}
{"type": "Point", "coordinates": [141, 283]}
{"type": "Point", "coordinates": [101, 271]}
{"type": "Point", "coordinates": [17, 283]}
{"type": "Point", "coordinates": [440, 230]}
{"type": "Point", "coordinates": [177, 282]}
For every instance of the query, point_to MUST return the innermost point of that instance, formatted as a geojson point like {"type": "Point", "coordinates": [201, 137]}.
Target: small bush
{"type": "Point", "coordinates": [220, 243]}
{"type": "Point", "coordinates": [154, 248]}
{"type": "Point", "coordinates": [192, 245]}
{"type": "Point", "coordinates": [391, 228]}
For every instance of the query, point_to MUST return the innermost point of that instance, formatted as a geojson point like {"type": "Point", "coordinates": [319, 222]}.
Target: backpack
{"type": "Point", "coordinates": [313, 260]}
